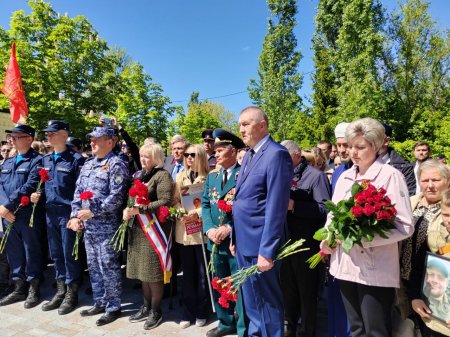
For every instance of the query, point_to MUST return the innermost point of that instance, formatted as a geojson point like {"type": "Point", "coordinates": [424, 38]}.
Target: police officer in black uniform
{"type": "Point", "coordinates": [63, 166]}
{"type": "Point", "coordinates": [19, 177]}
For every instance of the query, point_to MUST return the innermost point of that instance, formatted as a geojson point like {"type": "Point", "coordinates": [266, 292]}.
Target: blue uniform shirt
{"type": "Point", "coordinates": [108, 180]}
{"type": "Point", "coordinates": [18, 179]}
{"type": "Point", "coordinates": [63, 172]}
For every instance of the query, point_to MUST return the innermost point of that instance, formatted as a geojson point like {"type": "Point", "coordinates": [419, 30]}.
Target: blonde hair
{"type": "Point", "coordinates": [309, 156]}
{"type": "Point", "coordinates": [371, 129]}
{"type": "Point", "coordinates": [201, 165]}
{"type": "Point", "coordinates": [444, 170]}
{"type": "Point", "coordinates": [155, 152]}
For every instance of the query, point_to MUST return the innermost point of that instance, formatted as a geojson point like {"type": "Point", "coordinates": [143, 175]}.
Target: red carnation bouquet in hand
{"type": "Point", "coordinates": [229, 286]}
{"type": "Point", "coordinates": [368, 212]}
{"type": "Point", "coordinates": [44, 177]}
{"type": "Point", "coordinates": [24, 201]}
{"type": "Point", "coordinates": [137, 195]}
{"type": "Point", "coordinates": [85, 197]}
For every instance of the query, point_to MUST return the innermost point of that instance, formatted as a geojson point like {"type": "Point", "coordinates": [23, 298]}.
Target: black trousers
{"type": "Point", "coordinates": [368, 309]}
{"type": "Point", "coordinates": [195, 285]}
{"type": "Point", "coordinates": [300, 292]}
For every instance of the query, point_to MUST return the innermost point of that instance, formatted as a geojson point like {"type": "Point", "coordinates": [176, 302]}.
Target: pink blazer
{"type": "Point", "coordinates": [377, 262]}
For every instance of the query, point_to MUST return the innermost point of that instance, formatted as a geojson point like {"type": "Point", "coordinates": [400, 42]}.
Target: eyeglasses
{"type": "Point", "coordinates": [189, 154]}
{"type": "Point", "coordinates": [18, 137]}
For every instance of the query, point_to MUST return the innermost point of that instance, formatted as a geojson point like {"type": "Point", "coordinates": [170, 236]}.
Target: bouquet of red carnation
{"type": "Point", "coordinates": [225, 206]}
{"type": "Point", "coordinates": [368, 212]}
{"type": "Point", "coordinates": [138, 194]}
{"type": "Point", "coordinates": [85, 197]}
{"type": "Point", "coordinates": [228, 287]}
{"type": "Point", "coordinates": [43, 174]}
{"type": "Point", "coordinates": [24, 201]}
{"type": "Point", "coordinates": [164, 213]}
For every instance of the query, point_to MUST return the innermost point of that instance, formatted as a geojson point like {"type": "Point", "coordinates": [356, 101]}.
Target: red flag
{"type": "Point", "coordinates": [13, 88]}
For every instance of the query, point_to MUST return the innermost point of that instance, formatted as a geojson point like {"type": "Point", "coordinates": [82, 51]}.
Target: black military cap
{"type": "Point", "coordinates": [387, 129]}
{"type": "Point", "coordinates": [55, 125]}
{"type": "Point", "coordinates": [76, 142]}
{"type": "Point", "coordinates": [223, 137]}
{"type": "Point", "coordinates": [208, 134]}
{"type": "Point", "coordinates": [22, 128]}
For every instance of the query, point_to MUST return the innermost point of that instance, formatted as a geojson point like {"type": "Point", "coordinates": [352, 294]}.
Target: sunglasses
{"type": "Point", "coordinates": [189, 154]}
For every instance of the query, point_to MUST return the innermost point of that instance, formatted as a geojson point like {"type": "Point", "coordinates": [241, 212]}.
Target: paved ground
{"type": "Point", "coordinates": [15, 320]}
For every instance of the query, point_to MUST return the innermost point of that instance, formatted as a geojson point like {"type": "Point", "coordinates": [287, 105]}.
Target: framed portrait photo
{"type": "Point", "coordinates": [435, 286]}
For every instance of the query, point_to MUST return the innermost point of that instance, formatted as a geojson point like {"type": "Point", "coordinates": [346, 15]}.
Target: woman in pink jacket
{"type": "Point", "coordinates": [368, 275]}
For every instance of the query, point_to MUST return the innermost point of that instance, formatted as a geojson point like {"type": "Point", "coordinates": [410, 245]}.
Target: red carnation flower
{"type": "Point", "coordinates": [43, 173]}
{"type": "Point", "coordinates": [223, 302]}
{"type": "Point", "coordinates": [24, 201]}
{"type": "Point", "coordinates": [163, 213]}
{"type": "Point", "coordinates": [86, 195]}
{"type": "Point", "coordinates": [132, 192]}
{"type": "Point", "coordinates": [143, 201]}
{"type": "Point", "coordinates": [224, 206]}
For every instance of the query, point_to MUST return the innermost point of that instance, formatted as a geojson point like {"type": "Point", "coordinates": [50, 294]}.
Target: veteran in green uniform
{"type": "Point", "coordinates": [220, 185]}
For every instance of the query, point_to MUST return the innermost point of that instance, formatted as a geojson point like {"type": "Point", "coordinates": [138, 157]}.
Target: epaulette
{"type": "Point", "coordinates": [217, 169]}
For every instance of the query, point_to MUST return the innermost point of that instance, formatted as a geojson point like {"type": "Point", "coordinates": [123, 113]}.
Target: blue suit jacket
{"type": "Point", "coordinates": [261, 201]}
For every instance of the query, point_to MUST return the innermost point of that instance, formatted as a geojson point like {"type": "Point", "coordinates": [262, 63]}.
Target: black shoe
{"type": "Point", "coordinates": [5, 290]}
{"type": "Point", "coordinates": [58, 298]}
{"type": "Point", "coordinates": [92, 311]}
{"type": "Point", "coordinates": [218, 332]}
{"type": "Point", "coordinates": [70, 300]}
{"type": "Point", "coordinates": [108, 317]}
{"type": "Point", "coordinates": [19, 293]}
{"type": "Point", "coordinates": [34, 294]}
{"type": "Point", "coordinates": [141, 315]}
{"type": "Point", "coordinates": [153, 320]}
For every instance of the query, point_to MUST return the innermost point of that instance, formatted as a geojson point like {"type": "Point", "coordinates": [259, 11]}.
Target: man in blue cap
{"type": "Point", "coordinates": [19, 177]}
{"type": "Point", "coordinates": [220, 185]}
{"type": "Point", "coordinates": [63, 166]}
{"type": "Point", "coordinates": [106, 176]}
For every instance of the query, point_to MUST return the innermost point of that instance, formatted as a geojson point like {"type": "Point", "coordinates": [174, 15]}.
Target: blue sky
{"type": "Point", "coordinates": [197, 45]}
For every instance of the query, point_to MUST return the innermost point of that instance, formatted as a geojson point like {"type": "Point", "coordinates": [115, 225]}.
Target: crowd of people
{"type": "Point", "coordinates": [276, 192]}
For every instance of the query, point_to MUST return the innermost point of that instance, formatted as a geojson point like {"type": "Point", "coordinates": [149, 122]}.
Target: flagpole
{"type": "Point", "coordinates": [207, 273]}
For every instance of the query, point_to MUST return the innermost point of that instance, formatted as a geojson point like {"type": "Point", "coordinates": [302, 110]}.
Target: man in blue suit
{"type": "Point", "coordinates": [259, 215]}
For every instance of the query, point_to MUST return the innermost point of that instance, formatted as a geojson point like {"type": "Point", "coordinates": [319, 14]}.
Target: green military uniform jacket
{"type": "Point", "coordinates": [211, 213]}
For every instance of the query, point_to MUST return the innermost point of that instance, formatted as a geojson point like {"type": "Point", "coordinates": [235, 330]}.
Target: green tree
{"type": "Point", "coordinates": [68, 72]}
{"type": "Point", "coordinates": [205, 115]}
{"type": "Point", "coordinates": [278, 83]}
{"type": "Point", "coordinates": [359, 51]}
{"type": "Point", "coordinates": [328, 22]}
{"type": "Point", "coordinates": [416, 74]}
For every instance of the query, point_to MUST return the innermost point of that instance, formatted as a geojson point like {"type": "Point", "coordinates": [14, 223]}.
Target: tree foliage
{"type": "Point", "coordinates": [392, 67]}
{"type": "Point", "coordinates": [278, 83]}
{"type": "Point", "coordinates": [69, 71]}
{"type": "Point", "coordinates": [205, 115]}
